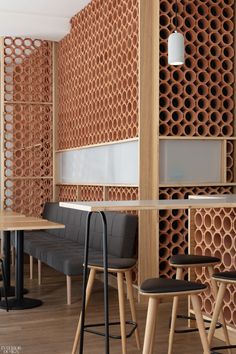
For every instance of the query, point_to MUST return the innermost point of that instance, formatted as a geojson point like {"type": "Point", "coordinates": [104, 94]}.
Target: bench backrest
{"type": "Point", "coordinates": [122, 229]}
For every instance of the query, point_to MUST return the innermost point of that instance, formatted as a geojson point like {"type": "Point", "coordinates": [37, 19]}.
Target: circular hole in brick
{"type": "Point", "coordinates": [198, 219]}
{"type": "Point", "coordinates": [164, 20]}
{"type": "Point", "coordinates": [228, 52]}
{"type": "Point", "coordinates": [190, 8]}
{"type": "Point", "coordinates": [189, 116]}
{"type": "Point", "coordinates": [164, 129]}
{"type": "Point", "coordinates": [164, 74]}
{"type": "Point", "coordinates": [227, 117]}
{"type": "Point", "coordinates": [208, 306]}
{"type": "Point", "coordinates": [176, 116]}
{"type": "Point", "coordinates": [227, 259]}
{"type": "Point", "coordinates": [202, 103]}
{"type": "Point", "coordinates": [189, 129]}
{"type": "Point", "coordinates": [227, 313]}
{"type": "Point", "coordinates": [164, 252]}
{"type": "Point", "coordinates": [189, 22]}
{"type": "Point", "coordinates": [164, 115]}
{"type": "Point", "coordinates": [164, 225]}
{"type": "Point", "coordinates": [217, 222]}
{"type": "Point", "coordinates": [164, 239]}
{"type": "Point", "coordinates": [228, 242]}
{"type": "Point", "coordinates": [227, 223]}
{"type": "Point", "coordinates": [203, 90]}
{"type": "Point", "coordinates": [198, 236]}
{"type": "Point", "coordinates": [228, 12]}
{"type": "Point", "coordinates": [164, 6]}
{"type": "Point", "coordinates": [177, 129]}
{"type": "Point", "coordinates": [228, 26]}
{"type": "Point", "coordinates": [228, 78]}
{"type": "Point", "coordinates": [227, 91]}
{"type": "Point", "coordinates": [208, 221]}
{"type": "Point", "coordinates": [208, 238]}
{"type": "Point", "coordinates": [215, 51]}
{"type": "Point", "coordinates": [164, 33]}
{"type": "Point", "coordinates": [190, 75]}
{"type": "Point", "coordinates": [163, 47]}
{"type": "Point", "coordinates": [214, 130]}
{"type": "Point", "coordinates": [202, 116]}
{"type": "Point", "coordinates": [189, 102]}
{"type": "Point", "coordinates": [227, 39]}
{"type": "Point", "coordinates": [216, 77]}
{"type": "Point", "coordinates": [203, 76]}
{"type": "Point", "coordinates": [163, 266]}
{"type": "Point", "coordinates": [228, 104]}
{"type": "Point", "coordinates": [217, 240]}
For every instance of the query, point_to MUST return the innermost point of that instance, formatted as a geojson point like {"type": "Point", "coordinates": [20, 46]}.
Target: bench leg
{"type": "Point", "coordinates": [39, 272]}
{"type": "Point", "coordinates": [13, 256]}
{"type": "Point", "coordinates": [68, 289]}
{"type": "Point", "coordinates": [88, 294]}
{"type": "Point", "coordinates": [31, 267]}
{"type": "Point", "coordinates": [132, 304]}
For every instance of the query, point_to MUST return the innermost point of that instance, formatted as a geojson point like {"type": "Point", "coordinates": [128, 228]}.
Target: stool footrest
{"type": "Point", "coordinates": [190, 330]}
{"type": "Point", "coordinates": [224, 347]}
{"type": "Point", "coordinates": [88, 328]}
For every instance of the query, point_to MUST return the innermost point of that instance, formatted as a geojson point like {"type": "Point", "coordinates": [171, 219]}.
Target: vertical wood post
{"type": "Point", "coordinates": [148, 136]}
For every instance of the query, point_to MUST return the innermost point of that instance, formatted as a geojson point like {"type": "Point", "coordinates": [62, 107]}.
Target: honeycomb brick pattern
{"type": "Point", "coordinates": [98, 75]}
{"type": "Point", "coordinates": [196, 99]}
{"type": "Point", "coordinates": [28, 140]}
{"type": "Point", "coordinates": [215, 235]}
{"type": "Point", "coordinates": [27, 196]}
{"type": "Point", "coordinates": [90, 193]}
{"type": "Point", "coordinates": [122, 193]}
{"type": "Point", "coordinates": [68, 193]}
{"type": "Point", "coordinates": [230, 161]}
{"type": "Point", "coordinates": [27, 70]}
{"type": "Point", "coordinates": [173, 225]}
{"type": "Point", "coordinates": [28, 123]}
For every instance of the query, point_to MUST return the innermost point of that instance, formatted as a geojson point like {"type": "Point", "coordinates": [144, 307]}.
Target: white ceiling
{"type": "Point", "coordinates": [43, 19]}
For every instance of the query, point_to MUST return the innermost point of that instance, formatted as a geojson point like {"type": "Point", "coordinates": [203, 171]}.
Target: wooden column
{"type": "Point", "coordinates": [55, 113]}
{"type": "Point", "coordinates": [148, 136]}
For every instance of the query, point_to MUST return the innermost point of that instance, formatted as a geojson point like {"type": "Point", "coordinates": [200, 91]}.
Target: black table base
{"type": "Point", "coordinates": [11, 291]}
{"type": "Point", "coordinates": [25, 303]}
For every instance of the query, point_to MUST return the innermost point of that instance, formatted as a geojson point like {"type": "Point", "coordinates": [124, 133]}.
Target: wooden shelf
{"type": "Point", "coordinates": [97, 185]}
{"type": "Point", "coordinates": [173, 185]}
{"type": "Point", "coordinates": [197, 137]}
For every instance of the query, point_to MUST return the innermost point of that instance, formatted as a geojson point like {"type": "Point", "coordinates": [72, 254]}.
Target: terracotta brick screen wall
{"type": "Point", "coordinates": [27, 124]}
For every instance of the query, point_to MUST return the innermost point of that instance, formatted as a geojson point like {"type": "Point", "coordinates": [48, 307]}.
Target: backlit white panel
{"type": "Point", "coordinates": [106, 164]}
{"type": "Point", "coordinates": [189, 161]}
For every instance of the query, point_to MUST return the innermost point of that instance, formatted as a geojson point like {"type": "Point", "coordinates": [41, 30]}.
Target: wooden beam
{"type": "Point", "coordinates": [148, 136]}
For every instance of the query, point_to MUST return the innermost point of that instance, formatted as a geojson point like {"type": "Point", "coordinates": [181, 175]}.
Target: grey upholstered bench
{"type": "Point", "coordinates": [63, 249]}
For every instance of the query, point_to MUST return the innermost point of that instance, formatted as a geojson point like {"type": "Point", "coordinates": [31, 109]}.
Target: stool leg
{"type": "Point", "coordinates": [31, 267]}
{"type": "Point", "coordinates": [179, 275]}
{"type": "Point", "coordinates": [68, 290]}
{"type": "Point", "coordinates": [88, 294]}
{"type": "Point", "coordinates": [122, 310]}
{"type": "Point", "coordinates": [221, 316]}
{"type": "Point", "coordinates": [132, 304]}
{"type": "Point", "coordinates": [150, 324]}
{"type": "Point", "coordinates": [217, 310]}
{"type": "Point", "coordinates": [200, 323]}
{"type": "Point", "coordinates": [39, 272]}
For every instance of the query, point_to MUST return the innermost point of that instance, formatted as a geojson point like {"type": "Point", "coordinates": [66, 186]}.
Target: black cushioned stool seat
{"type": "Point", "coordinates": [223, 278]}
{"type": "Point", "coordinates": [191, 259]}
{"type": "Point", "coordinates": [186, 261]}
{"type": "Point", "coordinates": [155, 289]}
{"type": "Point", "coordinates": [160, 286]}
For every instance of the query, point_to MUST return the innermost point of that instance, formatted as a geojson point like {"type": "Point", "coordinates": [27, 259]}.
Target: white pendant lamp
{"type": "Point", "coordinates": [176, 45]}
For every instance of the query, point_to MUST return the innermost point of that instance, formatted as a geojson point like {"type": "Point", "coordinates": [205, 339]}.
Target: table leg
{"type": "Point", "coordinates": [85, 276]}
{"type": "Point", "coordinates": [105, 266]}
{"type": "Point", "coordinates": [7, 264]}
{"type": "Point", "coordinates": [19, 302]}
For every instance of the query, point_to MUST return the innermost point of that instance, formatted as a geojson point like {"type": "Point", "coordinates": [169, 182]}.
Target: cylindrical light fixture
{"type": "Point", "coordinates": [176, 45]}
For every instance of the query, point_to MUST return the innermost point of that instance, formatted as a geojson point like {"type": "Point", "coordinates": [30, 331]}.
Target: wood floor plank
{"type": "Point", "coordinates": [51, 328]}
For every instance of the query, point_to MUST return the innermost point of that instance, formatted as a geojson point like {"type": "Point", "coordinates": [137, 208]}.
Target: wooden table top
{"type": "Point", "coordinates": [28, 224]}
{"type": "Point", "coordinates": [10, 214]}
{"type": "Point", "coordinates": [216, 201]}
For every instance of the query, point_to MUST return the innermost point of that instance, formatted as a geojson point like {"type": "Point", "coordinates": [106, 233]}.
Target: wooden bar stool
{"type": "Point", "coordinates": [223, 278]}
{"type": "Point", "coordinates": [122, 267]}
{"type": "Point", "coordinates": [181, 262]}
{"type": "Point", "coordinates": [157, 288]}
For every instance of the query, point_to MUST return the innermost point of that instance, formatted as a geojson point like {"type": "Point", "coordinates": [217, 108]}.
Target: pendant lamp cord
{"type": "Point", "coordinates": [176, 14]}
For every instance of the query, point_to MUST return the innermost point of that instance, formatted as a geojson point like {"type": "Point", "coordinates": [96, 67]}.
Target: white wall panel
{"type": "Point", "coordinates": [104, 164]}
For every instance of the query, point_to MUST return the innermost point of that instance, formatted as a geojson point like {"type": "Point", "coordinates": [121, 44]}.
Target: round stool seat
{"type": "Point", "coordinates": [163, 286]}
{"type": "Point", "coordinates": [186, 260]}
{"type": "Point", "coordinates": [113, 263]}
{"type": "Point", "coordinates": [225, 276]}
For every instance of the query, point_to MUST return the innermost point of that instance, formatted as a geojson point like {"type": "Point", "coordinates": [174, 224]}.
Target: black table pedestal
{"type": "Point", "coordinates": [19, 302]}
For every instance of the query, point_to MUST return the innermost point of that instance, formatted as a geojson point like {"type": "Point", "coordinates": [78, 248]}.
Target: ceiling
{"type": "Point", "coordinates": [42, 19]}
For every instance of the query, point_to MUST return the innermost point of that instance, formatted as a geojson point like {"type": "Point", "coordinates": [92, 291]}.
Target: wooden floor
{"type": "Point", "coordinates": [50, 328]}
